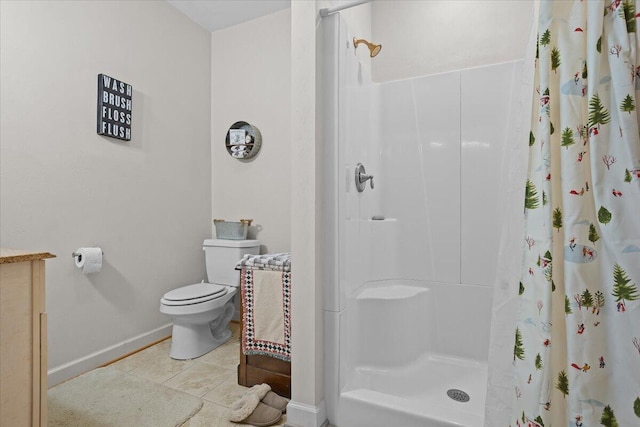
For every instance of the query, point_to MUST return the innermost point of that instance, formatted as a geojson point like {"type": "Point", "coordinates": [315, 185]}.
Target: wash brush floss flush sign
{"type": "Point", "coordinates": [114, 107]}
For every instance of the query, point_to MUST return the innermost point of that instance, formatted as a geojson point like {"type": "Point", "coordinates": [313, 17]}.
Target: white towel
{"type": "Point", "coordinates": [266, 319]}
{"type": "Point", "coordinates": [268, 315]}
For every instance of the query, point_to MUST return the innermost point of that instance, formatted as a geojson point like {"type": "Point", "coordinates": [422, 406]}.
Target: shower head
{"type": "Point", "coordinates": [374, 49]}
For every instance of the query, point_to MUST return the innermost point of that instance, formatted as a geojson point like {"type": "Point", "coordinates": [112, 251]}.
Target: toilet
{"type": "Point", "coordinates": [201, 312]}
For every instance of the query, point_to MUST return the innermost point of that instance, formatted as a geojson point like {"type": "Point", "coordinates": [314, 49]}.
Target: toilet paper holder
{"type": "Point", "coordinates": [79, 255]}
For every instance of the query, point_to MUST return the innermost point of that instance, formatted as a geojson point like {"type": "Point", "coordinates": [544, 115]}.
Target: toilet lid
{"type": "Point", "coordinates": [194, 294]}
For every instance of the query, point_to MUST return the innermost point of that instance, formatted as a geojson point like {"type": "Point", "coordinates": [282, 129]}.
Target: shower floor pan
{"type": "Point", "coordinates": [416, 395]}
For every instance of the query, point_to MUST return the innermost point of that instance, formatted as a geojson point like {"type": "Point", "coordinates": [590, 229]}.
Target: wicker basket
{"type": "Point", "coordinates": [229, 230]}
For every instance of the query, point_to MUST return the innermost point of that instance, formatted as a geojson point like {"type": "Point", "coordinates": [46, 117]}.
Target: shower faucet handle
{"type": "Point", "coordinates": [362, 178]}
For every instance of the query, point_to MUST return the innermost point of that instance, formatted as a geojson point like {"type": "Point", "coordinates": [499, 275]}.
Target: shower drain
{"type": "Point", "coordinates": [458, 395]}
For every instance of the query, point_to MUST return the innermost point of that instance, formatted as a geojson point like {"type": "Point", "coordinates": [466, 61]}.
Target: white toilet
{"type": "Point", "coordinates": [201, 312]}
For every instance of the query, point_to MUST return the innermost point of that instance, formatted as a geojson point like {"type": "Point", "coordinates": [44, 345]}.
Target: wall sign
{"type": "Point", "coordinates": [114, 107]}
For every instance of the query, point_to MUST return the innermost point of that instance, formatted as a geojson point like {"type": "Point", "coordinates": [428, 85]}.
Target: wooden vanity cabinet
{"type": "Point", "coordinates": [23, 339]}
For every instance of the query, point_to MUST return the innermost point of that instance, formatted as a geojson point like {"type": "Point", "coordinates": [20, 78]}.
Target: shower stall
{"type": "Point", "coordinates": [411, 259]}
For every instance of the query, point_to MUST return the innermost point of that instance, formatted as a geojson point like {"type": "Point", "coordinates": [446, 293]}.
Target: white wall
{"type": "Point", "coordinates": [146, 202]}
{"type": "Point", "coordinates": [251, 82]}
{"type": "Point", "coordinates": [306, 329]}
{"type": "Point", "coordinates": [307, 407]}
{"type": "Point", "coordinates": [427, 37]}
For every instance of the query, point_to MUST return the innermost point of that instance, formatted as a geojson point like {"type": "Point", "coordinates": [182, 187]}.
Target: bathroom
{"type": "Point", "coordinates": [149, 202]}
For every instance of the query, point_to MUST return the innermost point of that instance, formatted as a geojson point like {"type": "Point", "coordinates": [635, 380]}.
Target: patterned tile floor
{"type": "Point", "coordinates": [211, 377]}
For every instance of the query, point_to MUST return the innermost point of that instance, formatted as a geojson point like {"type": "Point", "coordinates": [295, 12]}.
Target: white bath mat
{"type": "Point", "coordinates": [109, 397]}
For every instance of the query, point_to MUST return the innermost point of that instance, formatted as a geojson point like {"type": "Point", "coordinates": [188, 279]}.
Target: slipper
{"type": "Point", "coordinates": [260, 390]}
{"type": "Point", "coordinates": [244, 407]}
{"type": "Point", "coordinates": [263, 415]}
{"type": "Point", "coordinates": [275, 401]}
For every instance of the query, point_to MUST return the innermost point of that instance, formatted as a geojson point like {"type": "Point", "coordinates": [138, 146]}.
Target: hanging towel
{"type": "Point", "coordinates": [266, 317]}
{"type": "Point", "coordinates": [276, 262]}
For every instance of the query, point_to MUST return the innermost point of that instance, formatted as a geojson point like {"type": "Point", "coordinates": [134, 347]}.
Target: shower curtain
{"type": "Point", "coordinates": [576, 343]}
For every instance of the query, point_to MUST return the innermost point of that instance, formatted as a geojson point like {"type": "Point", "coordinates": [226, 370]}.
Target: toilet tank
{"type": "Point", "coordinates": [221, 257]}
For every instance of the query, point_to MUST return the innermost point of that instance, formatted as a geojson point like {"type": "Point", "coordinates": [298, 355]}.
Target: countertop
{"type": "Point", "coordinates": [19, 255]}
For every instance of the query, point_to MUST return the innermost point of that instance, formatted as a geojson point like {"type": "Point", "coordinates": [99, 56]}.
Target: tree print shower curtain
{"type": "Point", "coordinates": [577, 339]}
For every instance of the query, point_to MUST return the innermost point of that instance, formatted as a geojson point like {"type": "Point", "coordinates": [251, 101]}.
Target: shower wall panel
{"type": "Point", "coordinates": [486, 105]}
{"type": "Point", "coordinates": [363, 240]}
{"type": "Point", "coordinates": [441, 140]}
{"type": "Point", "coordinates": [417, 286]}
{"type": "Point", "coordinates": [350, 125]}
{"type": "Point", "coordinates": [435, 147]}
{"type": "Point", "coordinates": [420, 182]}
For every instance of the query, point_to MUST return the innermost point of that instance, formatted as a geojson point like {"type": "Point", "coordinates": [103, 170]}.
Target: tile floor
{"type": "Point", "coordinates": [211, 377]}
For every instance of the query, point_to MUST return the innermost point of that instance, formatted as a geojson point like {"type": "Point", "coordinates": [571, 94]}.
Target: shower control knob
{"type": "Point", "coordinates": [362, 178]}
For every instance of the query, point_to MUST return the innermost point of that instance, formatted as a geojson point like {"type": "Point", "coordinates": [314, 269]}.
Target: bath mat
{"type": "Point", "coordinates": [266, 317]}
{"type": "Point", "coordinates": [108, 397]}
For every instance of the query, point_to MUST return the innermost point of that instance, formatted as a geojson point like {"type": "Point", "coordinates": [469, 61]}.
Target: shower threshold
{"type": "Point", "coordinates": [416, 395]}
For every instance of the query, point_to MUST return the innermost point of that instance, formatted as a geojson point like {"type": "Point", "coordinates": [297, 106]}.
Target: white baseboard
{"type": "Point", "coordinates": [303, 415]}
{"type": "Point", "coordinates": [79, 366]}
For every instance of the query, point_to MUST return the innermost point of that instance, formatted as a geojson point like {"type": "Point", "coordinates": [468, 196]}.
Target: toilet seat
{"type": "Point", "coordinates": [194, 294]}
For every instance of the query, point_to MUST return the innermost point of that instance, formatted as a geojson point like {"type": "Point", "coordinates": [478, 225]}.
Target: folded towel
{"type": "Point", "coordinates": [276, 262]}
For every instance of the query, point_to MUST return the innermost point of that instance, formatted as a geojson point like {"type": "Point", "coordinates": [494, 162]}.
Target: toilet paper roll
{"type": "Point", "coordinates": [89, 259]}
